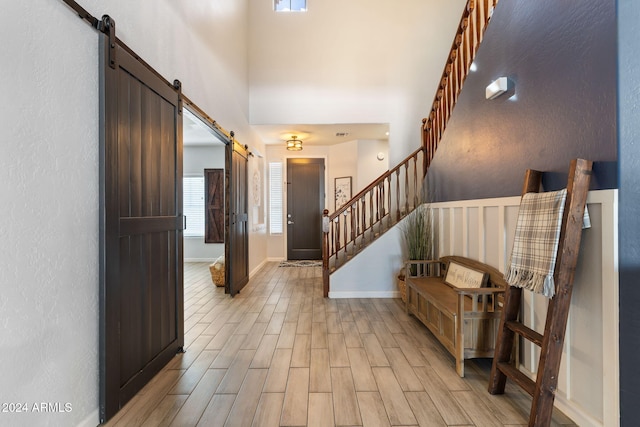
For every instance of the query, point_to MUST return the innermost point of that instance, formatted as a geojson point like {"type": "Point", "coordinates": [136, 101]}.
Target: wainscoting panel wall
{"type": "Point", "coordinates": [588, 388]}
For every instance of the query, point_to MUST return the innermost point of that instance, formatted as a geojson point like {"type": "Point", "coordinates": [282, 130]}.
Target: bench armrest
{"type": "Point", "coordinates": [422, 268]}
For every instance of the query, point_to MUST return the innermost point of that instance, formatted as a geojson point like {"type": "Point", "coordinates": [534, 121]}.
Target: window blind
{"type": "Point", "coordinates": [276, 212]}
{"type": "Point", "coordinates": [193, 205]}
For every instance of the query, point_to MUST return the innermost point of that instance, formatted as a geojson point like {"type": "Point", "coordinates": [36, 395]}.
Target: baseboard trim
{"type": "Point", "coordinates": [210, 260]}
{"type": "Point", "coordinates": [567, 407]}
{"type": "Point", "coordinates": [364, 294]}
{"type": "Point", "coordinates": [255, 270]}
{"type": "Point", "coordinates": [92, 420]}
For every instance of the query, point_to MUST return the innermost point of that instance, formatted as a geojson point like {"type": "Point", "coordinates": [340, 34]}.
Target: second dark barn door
{"type": "Point", "coordinates": [237, 248]}
{"type": "Point", "coordinates": [141, 283]}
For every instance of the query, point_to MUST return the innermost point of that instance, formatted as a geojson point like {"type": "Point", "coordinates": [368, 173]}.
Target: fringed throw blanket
{"type": "Point", "coordinates": [535, 247]}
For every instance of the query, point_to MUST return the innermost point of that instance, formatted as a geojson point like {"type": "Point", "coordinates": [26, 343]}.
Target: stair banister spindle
{"type": "Point", "coordinates": [397, 194]}
{"type": "Point", "coordinates": [338, 244]}
{"type": "Point", "coordinates": [387, 200]}
{"type": "Point", "coordinates": [415, 181]}
{"type": "Point", "coordinates": [358, 216]}
{"type": "Point", "coordinates": [363, 205]}
{"type": "Point", "coordinates": [372, 208]}
{"type": "Point", "coordinates": [406, 190]}
{"type": "Point", "coordinates": [352, 221]}
{"type": "Point", "coordinates": [376, 204]}
{"type": "Point", "coordinates": [345, 222]}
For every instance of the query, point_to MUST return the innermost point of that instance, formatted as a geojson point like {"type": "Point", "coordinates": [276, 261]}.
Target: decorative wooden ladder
{"type": "Point", "coordinates": [551, 343]}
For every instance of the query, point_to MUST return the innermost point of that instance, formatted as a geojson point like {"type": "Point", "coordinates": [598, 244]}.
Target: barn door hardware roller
{"type": "Point", "coordinates": [108, 26]}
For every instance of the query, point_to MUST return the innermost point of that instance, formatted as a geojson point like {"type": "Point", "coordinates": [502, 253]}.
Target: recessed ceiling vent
{"type": "Point", "coordinates": [340, 134]}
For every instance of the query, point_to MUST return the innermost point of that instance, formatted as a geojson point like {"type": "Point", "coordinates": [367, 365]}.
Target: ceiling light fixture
{"type": "Point", "coordinates": [294, 144]}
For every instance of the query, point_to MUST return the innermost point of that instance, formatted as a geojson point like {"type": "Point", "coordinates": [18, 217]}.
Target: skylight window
{"type": "Point", "coordinates": [290, 5]}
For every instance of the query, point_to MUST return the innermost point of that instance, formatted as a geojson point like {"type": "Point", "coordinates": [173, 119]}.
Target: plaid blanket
{"type": "Point", "coordinates": [535, 247]}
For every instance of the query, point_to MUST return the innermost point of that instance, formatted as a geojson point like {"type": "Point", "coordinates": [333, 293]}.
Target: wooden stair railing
{"type": "Point", "coordinates": [371, 212]}
{"type": "Point", "coordinates": [473, 25]}
{"type": "Point", "coordinates": [396, 193]}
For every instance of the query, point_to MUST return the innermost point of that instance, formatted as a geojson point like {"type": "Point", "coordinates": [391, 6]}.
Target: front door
{"type": "Point", "coordinates": [305, 203]}
{"type": "Point", "coordinates": [141, 223]}
{"type": "Point", "coordinates": [237, 249]}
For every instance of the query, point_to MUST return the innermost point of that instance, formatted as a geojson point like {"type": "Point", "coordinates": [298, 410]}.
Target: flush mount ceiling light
{"type": "Point", "coordinates": [497, 88]}
{"type": "Point", "coordinates": [294, 144]}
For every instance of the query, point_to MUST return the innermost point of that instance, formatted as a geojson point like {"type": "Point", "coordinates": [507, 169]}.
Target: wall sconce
{"type": "Point", "coordinates": [497, 88]}
{"type": "Point", "coordinates": [294, 144]}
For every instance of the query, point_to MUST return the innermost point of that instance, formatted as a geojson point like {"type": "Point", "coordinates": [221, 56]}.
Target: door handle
{"type": "Point", "coordinates": [289, 222]}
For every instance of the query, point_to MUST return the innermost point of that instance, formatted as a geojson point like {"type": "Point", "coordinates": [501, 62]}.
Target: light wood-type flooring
{"type": "Point", "coordinates": [279, 354]}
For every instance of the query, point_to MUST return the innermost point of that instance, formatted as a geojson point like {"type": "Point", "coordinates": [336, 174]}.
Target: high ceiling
{"type": "Point", "coordinates": [197, 133]}
{"type": "Point", "coordinates": [322, 134]}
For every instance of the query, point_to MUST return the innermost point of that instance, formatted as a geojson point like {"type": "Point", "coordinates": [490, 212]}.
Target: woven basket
{"type": "Point", "coordinates": [402, 287]}
{"type": "Point", "coordinates": [217, 275]}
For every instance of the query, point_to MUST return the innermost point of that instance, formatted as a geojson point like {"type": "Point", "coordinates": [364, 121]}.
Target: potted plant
{"type": "Point", "coordinates": [417, 233]}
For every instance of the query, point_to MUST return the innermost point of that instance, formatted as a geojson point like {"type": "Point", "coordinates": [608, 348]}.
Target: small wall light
{"type": "Point", "coordinates": [497, 88]}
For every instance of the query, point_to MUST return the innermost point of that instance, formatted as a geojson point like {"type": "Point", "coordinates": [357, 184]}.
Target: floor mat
{"type": "Point", "coordinates": [303, 263]}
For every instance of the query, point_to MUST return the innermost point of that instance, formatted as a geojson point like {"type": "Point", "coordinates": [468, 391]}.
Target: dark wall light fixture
{"type": "Point", "coordinates": [294, 144]}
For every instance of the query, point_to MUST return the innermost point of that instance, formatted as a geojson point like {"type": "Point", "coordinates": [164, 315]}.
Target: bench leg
{"type": "Point", "coordinates": [460, 367]}
{"type": "Point", "coordinates": [459, 325]}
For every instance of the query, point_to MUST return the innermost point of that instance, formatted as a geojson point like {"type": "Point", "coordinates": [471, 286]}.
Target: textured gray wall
{"type": "Point", "coordinates": [629, 207]}
{"type": "Point", "coordinates": [562, 58]}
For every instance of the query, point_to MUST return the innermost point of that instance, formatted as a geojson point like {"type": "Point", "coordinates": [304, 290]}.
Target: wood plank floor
{"type": "Point", "coordinates": [279, 354]}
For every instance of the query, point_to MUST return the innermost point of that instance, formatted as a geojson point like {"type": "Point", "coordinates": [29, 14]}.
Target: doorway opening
{"type": "Point", "coordinates": [203, 186]}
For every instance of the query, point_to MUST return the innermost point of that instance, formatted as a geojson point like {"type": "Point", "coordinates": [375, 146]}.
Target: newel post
{"type": "Point", "coordinates": [325, 252]}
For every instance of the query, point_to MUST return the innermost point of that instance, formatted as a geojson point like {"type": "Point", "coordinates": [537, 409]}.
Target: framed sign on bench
{"type": "Point", "coordinates": [461, 276]}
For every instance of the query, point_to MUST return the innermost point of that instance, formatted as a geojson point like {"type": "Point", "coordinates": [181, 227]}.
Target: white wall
{"type": "Point", "coordinates": [258, 186]}
{"type": "Point", "coordinates": [196, 160]}
{"type": "Point", "coordinates": [588, 383]}
{"type": "Point", "coordinates": [361, 61]}
{"type": "Point", "coordinates": [343, 162]}
{"type": "Point", "coordinates": [49, 175]}
{"type": "Point", "coordinates": [369, 167]}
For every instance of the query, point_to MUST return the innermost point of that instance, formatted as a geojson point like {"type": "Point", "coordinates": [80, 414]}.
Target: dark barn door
{"type": "Point", "coordinates": [237, 256]}
{"type": "Point", "coordinates": [141, 274]}
{"type": "Point", "coordinates": [305, 203]}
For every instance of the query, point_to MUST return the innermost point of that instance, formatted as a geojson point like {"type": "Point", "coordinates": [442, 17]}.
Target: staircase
{"type": "Point", "coordinates": [397, 192]}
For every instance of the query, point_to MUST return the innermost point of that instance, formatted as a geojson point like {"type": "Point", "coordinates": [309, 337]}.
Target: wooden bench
{"type": "Point", "coordinates": [464, 319]}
